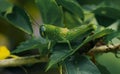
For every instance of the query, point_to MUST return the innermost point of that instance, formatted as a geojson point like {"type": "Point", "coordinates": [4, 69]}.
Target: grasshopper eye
{"type": "Point", "coordinates": [42, 31]}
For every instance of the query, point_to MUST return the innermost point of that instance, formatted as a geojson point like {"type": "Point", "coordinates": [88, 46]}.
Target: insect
{"type": "Point", "coordinates": [65, 35]}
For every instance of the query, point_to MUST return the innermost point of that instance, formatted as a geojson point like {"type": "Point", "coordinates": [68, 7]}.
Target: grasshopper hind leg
{"type": "Point", "coordinates": [68, 42]}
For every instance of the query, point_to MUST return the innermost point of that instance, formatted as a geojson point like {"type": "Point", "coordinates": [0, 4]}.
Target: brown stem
{"type": "Point", "coordinates": [104, 48]}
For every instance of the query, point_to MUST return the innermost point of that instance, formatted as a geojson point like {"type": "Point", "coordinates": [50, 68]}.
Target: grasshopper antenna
{"type": "Point", "coordinates": [34, 21]}
{"type": "Point", "coordinates": [30, 16]}
{"type": "Point", "coordinates": [36, 24]}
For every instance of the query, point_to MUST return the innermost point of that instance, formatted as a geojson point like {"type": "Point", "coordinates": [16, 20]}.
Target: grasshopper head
{"type": "Point", "coordinates": [47, 30]}
{"type": "Point", "coordinates": [53, 32]}
{"type": "Point", "coordinates": [43, 30]}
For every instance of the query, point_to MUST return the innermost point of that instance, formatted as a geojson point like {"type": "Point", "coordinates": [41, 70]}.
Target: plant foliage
{"type": "Point", "coordinates": [63, 19]}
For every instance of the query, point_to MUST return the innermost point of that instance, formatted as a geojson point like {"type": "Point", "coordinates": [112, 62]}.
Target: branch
{"type": "Point", "coordinates": [104, 48]}
{"type": "Point", "coordinates": [12, 62]}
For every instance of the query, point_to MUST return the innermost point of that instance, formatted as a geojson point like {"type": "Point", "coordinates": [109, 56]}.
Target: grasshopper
{"type": "Point", "coordinates": [65, 35]}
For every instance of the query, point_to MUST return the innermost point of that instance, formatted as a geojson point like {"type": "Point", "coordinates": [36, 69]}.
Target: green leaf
{"type": "Point", "coordinates": [71, 21]}
{"type": "Point", "coordinates": [98, 35]}
{"type": "Point", "coordinates": [20, 19]}
{"type": "Point", "coordinates": [101, 33]}
{"type": "Point", "coordinates": [108, 11]}
{"type": "Point", "coordinates": [111, 36]}
{"type": "Point", "coordinates": [106, 14]}
{"type": "Point", "coordinates": [4, 5]}
{"type": "Point", "coordinates": [73, 7]}
{"type": "Point", "coordinates": [56, 57]}
{"type": "Point", "coordinates": [31, 44]}
{"type": "Point", "coordinates": [80, 65]}
{"type": "Point", "coordinates": [104, 21]}
{"type": "Point", "coordinates": [51, 12]}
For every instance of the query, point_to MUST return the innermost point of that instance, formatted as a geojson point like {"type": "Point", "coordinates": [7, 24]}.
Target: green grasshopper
{"type": "Point", "coordinates": [65, 35]}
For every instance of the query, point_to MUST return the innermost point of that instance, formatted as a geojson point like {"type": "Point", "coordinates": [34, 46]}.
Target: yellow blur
{"type": "Point", "coordinates": [4, 52]}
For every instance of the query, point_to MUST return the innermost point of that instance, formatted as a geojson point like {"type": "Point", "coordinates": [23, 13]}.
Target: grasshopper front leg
{"type": "Point", "coordinates": [49, 45]}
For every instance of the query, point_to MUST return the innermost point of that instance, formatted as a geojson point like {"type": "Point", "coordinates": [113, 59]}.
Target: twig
{"type": "Point", "coordinates": [104, 48]}
{"type": "Point", "coordinates": [12, 62]}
